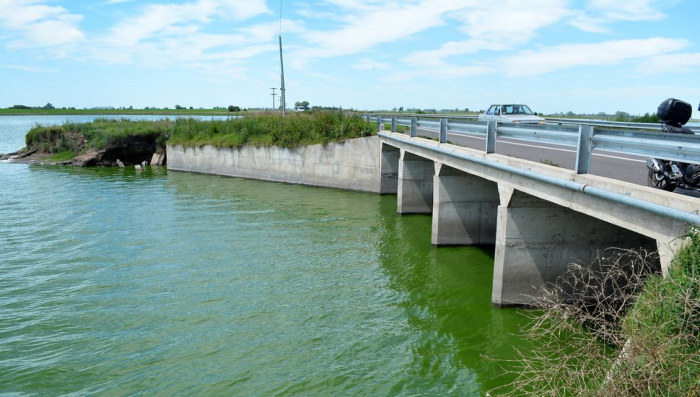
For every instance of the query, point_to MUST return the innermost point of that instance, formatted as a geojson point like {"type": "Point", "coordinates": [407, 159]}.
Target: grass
{"type": "Point", "coordinates": [399, 128]}
{"type": "Point", "coordinates": [259, 130]}
{"type": "Point", "coordinates": [271, 130]}
{"type": "Point", "coordinates": [643, 339]}
{"type": "Point", "coordinates": [119, 112]}
{"type": "Point", "coordinates": [549, 162]}
{"type": "Point", "coordinates": [99, 134]}
{"type": "Point", "coordinates": [61, 156]}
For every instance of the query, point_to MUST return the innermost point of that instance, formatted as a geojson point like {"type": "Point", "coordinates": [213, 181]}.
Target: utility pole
{"type": "Point", "coordinates": [284, 103]}
{"type": "Point", "coordinates": [273, 97]}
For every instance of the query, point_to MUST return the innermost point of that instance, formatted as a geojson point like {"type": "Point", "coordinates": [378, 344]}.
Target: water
{"type": "Point", "coordinates": [116, 282]}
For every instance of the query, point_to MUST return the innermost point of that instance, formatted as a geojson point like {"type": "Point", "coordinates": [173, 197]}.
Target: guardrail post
{"type": "Point", "coordinates": [491, 137]}
{"type": "Point", "coordinates": [393, 123]}
{"type": "Point", "coordinates": [368, 118]}
{"type": "Point", "coordinates": [443, 130]}
{"type": "Point", "coordinates": [414, 127]}
{"type": "Point", "coordinates": [583, 151]}
{"type": "Point", "coordinates": [379, 123]}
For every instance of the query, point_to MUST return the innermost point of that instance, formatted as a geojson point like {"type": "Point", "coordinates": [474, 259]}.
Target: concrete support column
{"type": "Point", "coordinates": [464, 208]}
{"type": "Point", "coordinates": [537, 240]}
{"type": "Point", "coordinates": [667, 250]}
{"type": "Point", "coordinates": [389, 169]}
{"type": "Point", "coordinates": [415, 190]}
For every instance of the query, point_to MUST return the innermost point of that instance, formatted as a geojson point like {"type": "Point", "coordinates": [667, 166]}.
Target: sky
{"type": "Point", "coordinates": [583, 56]}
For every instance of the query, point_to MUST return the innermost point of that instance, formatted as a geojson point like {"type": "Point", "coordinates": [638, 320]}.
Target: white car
{"type": "Point", "coordinates": [512, 113]}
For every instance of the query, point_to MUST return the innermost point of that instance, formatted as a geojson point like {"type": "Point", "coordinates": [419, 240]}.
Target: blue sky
{"type": "Point", "coordinates": [555, 55]}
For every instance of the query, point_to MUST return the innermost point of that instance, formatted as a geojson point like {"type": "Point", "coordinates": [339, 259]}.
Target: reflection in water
{"type": "Point", "coordinates": [449, 302]}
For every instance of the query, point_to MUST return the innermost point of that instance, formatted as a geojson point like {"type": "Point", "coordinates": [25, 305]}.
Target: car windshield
{"type": "Point", "coordinates": [516, 109]}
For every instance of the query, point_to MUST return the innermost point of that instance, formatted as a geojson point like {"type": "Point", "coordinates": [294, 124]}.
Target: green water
{"type": "Point", "coordinates": [114, 282]}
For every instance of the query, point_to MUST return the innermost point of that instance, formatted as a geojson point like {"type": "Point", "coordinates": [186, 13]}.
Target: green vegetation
{"type": "Point", "coordinates": [99, 134]}
{"type": "Point", "coordinates": [646, 118]}
{"type": "Point", "coordinates": [640, 336]}
{"type": "Point", "coordinates": [399, 128]}
{"type": "Point", "coordinates": [549, 162]}
{"type": "Point", "coordinates": [182, 111]}
{"type": "Point", "coordinates": [271, 130]}
{"type": "Point", "coordinates": [71, 139]}
{"type": "Point", "coordinates": [61, 156]}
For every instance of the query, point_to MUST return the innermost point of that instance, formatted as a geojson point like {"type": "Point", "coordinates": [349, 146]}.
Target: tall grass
{"type": "Point", "coordinates": [270, 130]}
{"type": "Point", "coordinates": [99, 134]}
{"type": "Point", "coordinates": [258, 130]}
{"type": "Point", "coordinates": [638, 336]}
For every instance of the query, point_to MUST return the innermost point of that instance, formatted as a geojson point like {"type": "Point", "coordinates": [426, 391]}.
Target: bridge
{"type": "Point", "coordinates": [539, 217]}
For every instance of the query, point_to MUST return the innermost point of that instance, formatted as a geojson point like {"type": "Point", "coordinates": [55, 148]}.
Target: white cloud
{"type": "Point", "coordinates": [510, 21]}
{"type": "Point", "coordinates": [671, 63]}
{"type": "Point", "coordinates": [162, 35]}
{"type": "Point", "coordinates": [625, 10]}
{"type": "Point", "coordinates": [269, 31]}
{"type": "Point", "coordinates": [368, 64]}
{"type": "Point", "coordinates": [374, 23]}
{"type": "Point", "coordinates": [532, 63]}
{"type": "Point", "coordinates": [159, 18]}
{"type": "Point", "coordinates": [33, 24]}
{"type": "Point", "coordinates": [597, 14]}
{"type": "Point", "coordinates": [30, 69]}
{"type": "Point", "coordinates": [509, 24]}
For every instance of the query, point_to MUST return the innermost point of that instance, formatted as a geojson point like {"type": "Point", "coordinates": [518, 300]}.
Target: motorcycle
{"type": "Point", "coordinates": [671, 175]}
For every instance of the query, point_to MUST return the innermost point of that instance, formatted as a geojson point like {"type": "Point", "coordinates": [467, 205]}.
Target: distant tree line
{"type": "Point", "coordinates": [47, 106]}
{"type": "Point", "coordinates": [617, 116]}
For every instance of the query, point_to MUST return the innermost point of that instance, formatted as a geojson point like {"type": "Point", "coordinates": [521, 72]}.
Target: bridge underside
{"type": "Point", "coordinates": [535, 239]}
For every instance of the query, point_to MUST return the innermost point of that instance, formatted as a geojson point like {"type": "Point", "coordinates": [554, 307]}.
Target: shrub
{"type": "Point", "coordinates": [613, 328]}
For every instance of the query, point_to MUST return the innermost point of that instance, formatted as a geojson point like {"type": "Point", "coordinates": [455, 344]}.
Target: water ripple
{"type": "Point", "coordinates": [117, 282]}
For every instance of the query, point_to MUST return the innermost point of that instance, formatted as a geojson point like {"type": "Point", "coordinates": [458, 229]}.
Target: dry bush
{"type": "Point", "coordinates": [596, 335]}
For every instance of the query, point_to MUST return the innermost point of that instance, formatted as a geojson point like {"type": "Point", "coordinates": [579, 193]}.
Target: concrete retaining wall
{"type": "Point", "coordinates": [352, 165]}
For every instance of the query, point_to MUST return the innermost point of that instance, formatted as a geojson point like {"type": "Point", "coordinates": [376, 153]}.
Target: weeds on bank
{"type": "Point", "coordinates": [257, 130]}
{"type": "Point", "coordinates": [99, 134]}
{"type": "Point", "coordinates": [271, 130]}
{"type": "Point", "coordinates": [616, 327]}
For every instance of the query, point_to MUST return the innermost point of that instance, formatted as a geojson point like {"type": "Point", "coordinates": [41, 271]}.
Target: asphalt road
{"type": "Point", "coordinates": [623, 167]}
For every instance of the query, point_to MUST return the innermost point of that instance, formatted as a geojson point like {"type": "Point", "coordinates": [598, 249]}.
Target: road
{"type": "Point", "coordinates": [623, 167]}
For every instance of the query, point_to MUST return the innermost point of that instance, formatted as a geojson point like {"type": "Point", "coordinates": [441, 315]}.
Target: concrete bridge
{"type": "Point", "coordinates": [540, 217]}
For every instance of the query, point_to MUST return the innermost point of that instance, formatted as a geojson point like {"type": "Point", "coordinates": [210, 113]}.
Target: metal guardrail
{"type": "Point", "coordinates": [585, 138]}
{"type": "Point", "coordinates": [614, 124]}
{"type": "Point", "coordinates": [554, 121]}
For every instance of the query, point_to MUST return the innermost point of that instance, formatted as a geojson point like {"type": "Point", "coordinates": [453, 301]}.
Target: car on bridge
{"type": "Point", "coordinates": [512, 113]}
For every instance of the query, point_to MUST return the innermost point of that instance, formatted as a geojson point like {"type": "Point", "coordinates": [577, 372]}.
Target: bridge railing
{"type": "Point", "coordinates": [555, 121]}
{"type": "Point", "coordinates": [585, 138]}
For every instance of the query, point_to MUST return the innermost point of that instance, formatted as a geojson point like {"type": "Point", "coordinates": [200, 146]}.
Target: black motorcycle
{"type": "Point", "coordinates": [671, 175]}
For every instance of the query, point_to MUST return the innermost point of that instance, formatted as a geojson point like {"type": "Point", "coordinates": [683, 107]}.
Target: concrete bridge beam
{"type": "Point", "coordinates": [465, 208]}
{"type": "Point", "coordinates": [536, 240]}
{"type": "Point", "coordinates": [415, 188]}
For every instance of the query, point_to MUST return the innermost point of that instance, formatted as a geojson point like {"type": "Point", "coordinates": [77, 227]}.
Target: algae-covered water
{"type": "Point", "coordinates": [117, 282]}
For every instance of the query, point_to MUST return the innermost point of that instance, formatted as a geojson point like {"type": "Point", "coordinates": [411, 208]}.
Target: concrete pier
{"type": "Point", "coordinates": [465, 208]}
{"type": "Point", "coordinates": [536, 241]}
{"type": "Point", "coordinates": [389, 169]}
{"type": "Point", "coordinates": [415, 190]}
